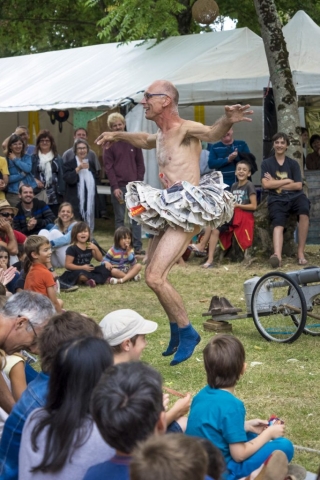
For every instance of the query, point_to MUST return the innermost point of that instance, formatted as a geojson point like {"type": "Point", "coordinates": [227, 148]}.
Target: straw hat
{"type": "Point", "coordinates": [4, 205]}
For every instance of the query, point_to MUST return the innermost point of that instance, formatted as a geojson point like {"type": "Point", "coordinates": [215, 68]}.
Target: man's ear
{"type": "Point", "coordinates": [161, 425]}
{"type": "Point", "coordinates": [20, 322]}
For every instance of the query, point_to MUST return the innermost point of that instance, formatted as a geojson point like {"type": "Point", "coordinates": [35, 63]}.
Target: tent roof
{"type": "Point", "coordinates": [210, 67]}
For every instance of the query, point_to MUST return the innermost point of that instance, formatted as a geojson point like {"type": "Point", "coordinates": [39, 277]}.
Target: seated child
{"type": "Point", "coordinates": [37, 276]}
{"type": "Point", "coordinates": [127, 408]}
{"type": "Point", "coordinates": [216, 414]}
{"type": "Point", "coordinates": [78, 260]}
{"type": "Point", "coordinates": [125, 331]}
{"type": "Point", "coordinates": [242, 223]}
{"type": "Point", "coordinates": [13, 372]}
{"type": "Point", "coordinates": [121, 257]}
{"type": "Point", "coordinates": [174, 457]}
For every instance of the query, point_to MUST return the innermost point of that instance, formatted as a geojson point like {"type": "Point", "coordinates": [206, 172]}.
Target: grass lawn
{"type": "Point", "coordinates": [287, 388]}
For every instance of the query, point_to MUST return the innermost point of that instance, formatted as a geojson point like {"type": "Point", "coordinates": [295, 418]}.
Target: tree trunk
{"type": "Point", "coordinates": [281, 77]}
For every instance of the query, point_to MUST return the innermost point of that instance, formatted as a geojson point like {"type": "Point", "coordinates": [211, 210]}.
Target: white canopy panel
{"type": "Point", "coordinates": [210, 67]}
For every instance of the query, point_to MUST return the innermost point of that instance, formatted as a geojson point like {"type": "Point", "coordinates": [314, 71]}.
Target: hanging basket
{"type": "Point", "coordinates": [205, 11]}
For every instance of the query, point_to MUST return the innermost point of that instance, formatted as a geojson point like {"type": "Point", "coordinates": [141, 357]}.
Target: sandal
{"type": "Point", "coordinates": [207, 265]}
{"type": "Point", "coordinates": [275, 261]}
{"type": "Point", "coordinates": [302, 261]}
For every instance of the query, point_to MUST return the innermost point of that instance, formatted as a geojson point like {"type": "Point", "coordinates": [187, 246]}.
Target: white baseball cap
{"type": "Point", "coordinates": [120, 325]}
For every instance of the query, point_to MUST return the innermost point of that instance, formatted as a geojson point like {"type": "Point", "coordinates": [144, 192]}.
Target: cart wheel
{"type": "Point", "coordinates": [279, 308]}
{"type": "Point", "coordinates": [312, 326]}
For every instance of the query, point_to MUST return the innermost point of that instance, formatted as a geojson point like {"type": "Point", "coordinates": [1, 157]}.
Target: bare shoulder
{"type": "Point", "coordinates": [190, 128]}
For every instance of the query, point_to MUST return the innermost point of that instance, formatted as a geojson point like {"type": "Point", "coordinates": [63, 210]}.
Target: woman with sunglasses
{"type": "Point", "coordinates": [20, 166]}
{"type": "Point", "coordinates": [47, 168]}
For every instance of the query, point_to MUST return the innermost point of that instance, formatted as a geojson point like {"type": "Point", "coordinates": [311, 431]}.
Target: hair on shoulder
{"type": "Point", "coordinates": [224, 358]}
{"type": "Point", "coordinates": [127, 403]}
{"type": "Point", "coordinates": [76, 369]}
{"type": "Point", "coordinates": [174, 456]}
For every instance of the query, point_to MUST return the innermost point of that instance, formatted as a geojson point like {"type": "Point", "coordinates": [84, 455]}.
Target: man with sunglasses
{"type": "Point", "coordinates": [178, 144]}
{"type": "Point", "coordinates": [9, 237]}
{"type": "Point", "coordinates": [21, 320]}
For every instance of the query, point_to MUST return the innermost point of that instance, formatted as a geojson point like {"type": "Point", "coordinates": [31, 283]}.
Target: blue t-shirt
{"type": "Point", "coordinates": [218, 416]}
{"type": "Point", "coordinates": [115, 469]}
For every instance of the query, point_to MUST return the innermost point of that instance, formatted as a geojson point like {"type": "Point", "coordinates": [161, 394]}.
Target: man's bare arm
{"type": "Point", "coordinates": [6, 399]}
{"type": "Point", "coordinates": [137, 139]}
{"type": "Point", "coordinates": [272, 184]}
{"type": "Point", "coordinates": [234, 114]}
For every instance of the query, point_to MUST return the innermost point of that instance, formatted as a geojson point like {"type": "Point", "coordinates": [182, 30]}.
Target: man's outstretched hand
{"type": "Point", "coordinates": [105, 139]}
{"type": "Point", "coordinates": [237, 113]}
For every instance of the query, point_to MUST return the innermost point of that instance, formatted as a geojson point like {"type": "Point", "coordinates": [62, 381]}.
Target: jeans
{"type": "Point", "coordinates": [119, 213]}
{"type": "Point", "coordinates": [243, 469]}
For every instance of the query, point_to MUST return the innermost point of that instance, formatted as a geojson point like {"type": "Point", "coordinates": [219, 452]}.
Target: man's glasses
{"type": "Point", "coordinates": [35, 336]}
{"type": "Point", "coordinates": [7, 215]}
{"type": "Point", "coordinates": [34, 332]}
{"type": "Point", "coordinates": [149, 95]}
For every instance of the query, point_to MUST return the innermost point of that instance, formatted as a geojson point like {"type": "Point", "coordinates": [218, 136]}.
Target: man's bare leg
{"type": "Point", "coordinates": [166, 250]}
{"type": "Point", "coordinates": [302, 235]}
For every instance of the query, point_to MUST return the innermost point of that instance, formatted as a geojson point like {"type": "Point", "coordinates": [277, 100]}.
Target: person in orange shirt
{"type": "Point", "coordinates": [38, 278]}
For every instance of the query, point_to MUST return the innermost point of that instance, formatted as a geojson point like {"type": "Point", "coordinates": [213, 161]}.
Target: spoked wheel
{"type": "Point", "coordinates": [312, 326]}
{"type": "Point", "coordinates": [278, 308]}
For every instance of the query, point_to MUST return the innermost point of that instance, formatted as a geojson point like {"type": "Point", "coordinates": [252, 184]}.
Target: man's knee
{"type": "Point", "coordinates": [153, 279]}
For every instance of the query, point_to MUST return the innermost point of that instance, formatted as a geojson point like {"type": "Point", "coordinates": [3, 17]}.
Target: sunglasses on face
{"type": "Point", "coordinates": [7, 215]}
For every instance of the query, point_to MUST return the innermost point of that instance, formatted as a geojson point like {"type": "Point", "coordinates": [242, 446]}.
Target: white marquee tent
{"type": "Point", "coordinates": [212, 67]}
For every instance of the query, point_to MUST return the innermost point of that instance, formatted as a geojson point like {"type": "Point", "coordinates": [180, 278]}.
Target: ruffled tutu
{"type": "Point", "coordinates": [182, 205]}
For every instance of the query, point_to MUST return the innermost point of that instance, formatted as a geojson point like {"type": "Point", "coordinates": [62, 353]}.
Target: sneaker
{"type": "Point", "coordinates": [91, 283]}
{"type": "Point", "coordinates": [66, 288]}
{"type": "Point", "coordinates": [297, 471]}
{"type": "Point", "coordinates": [137, 277]}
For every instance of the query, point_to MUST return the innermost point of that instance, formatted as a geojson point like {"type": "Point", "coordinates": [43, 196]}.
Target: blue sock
{"type": "Point", "coordinates": [174, 340]}
{"type": "Point", "coordinates": [189, 339]}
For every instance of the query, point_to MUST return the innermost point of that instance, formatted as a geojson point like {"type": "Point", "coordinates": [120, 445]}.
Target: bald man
{"type": "Point", "coordinates": [178, 144]}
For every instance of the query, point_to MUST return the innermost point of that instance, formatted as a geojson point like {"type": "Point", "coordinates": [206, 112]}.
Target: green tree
{"type": "Point", "coordinates": [37, 26]}
{"type": "Point", "coordinates": [128, 20]}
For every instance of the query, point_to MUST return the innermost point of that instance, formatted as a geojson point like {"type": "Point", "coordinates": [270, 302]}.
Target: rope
{"type": "Point", "coordinates": [306, 449]}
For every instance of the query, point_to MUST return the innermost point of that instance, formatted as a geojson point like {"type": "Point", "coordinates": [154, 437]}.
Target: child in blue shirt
{"type": "Point", "coordinates": [219, 416]}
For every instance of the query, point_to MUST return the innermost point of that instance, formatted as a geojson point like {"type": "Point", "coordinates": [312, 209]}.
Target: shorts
{"type": "Point", "coordinates": [279, 211]}
{"type": "Point", "coordinates": [174, 427]}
